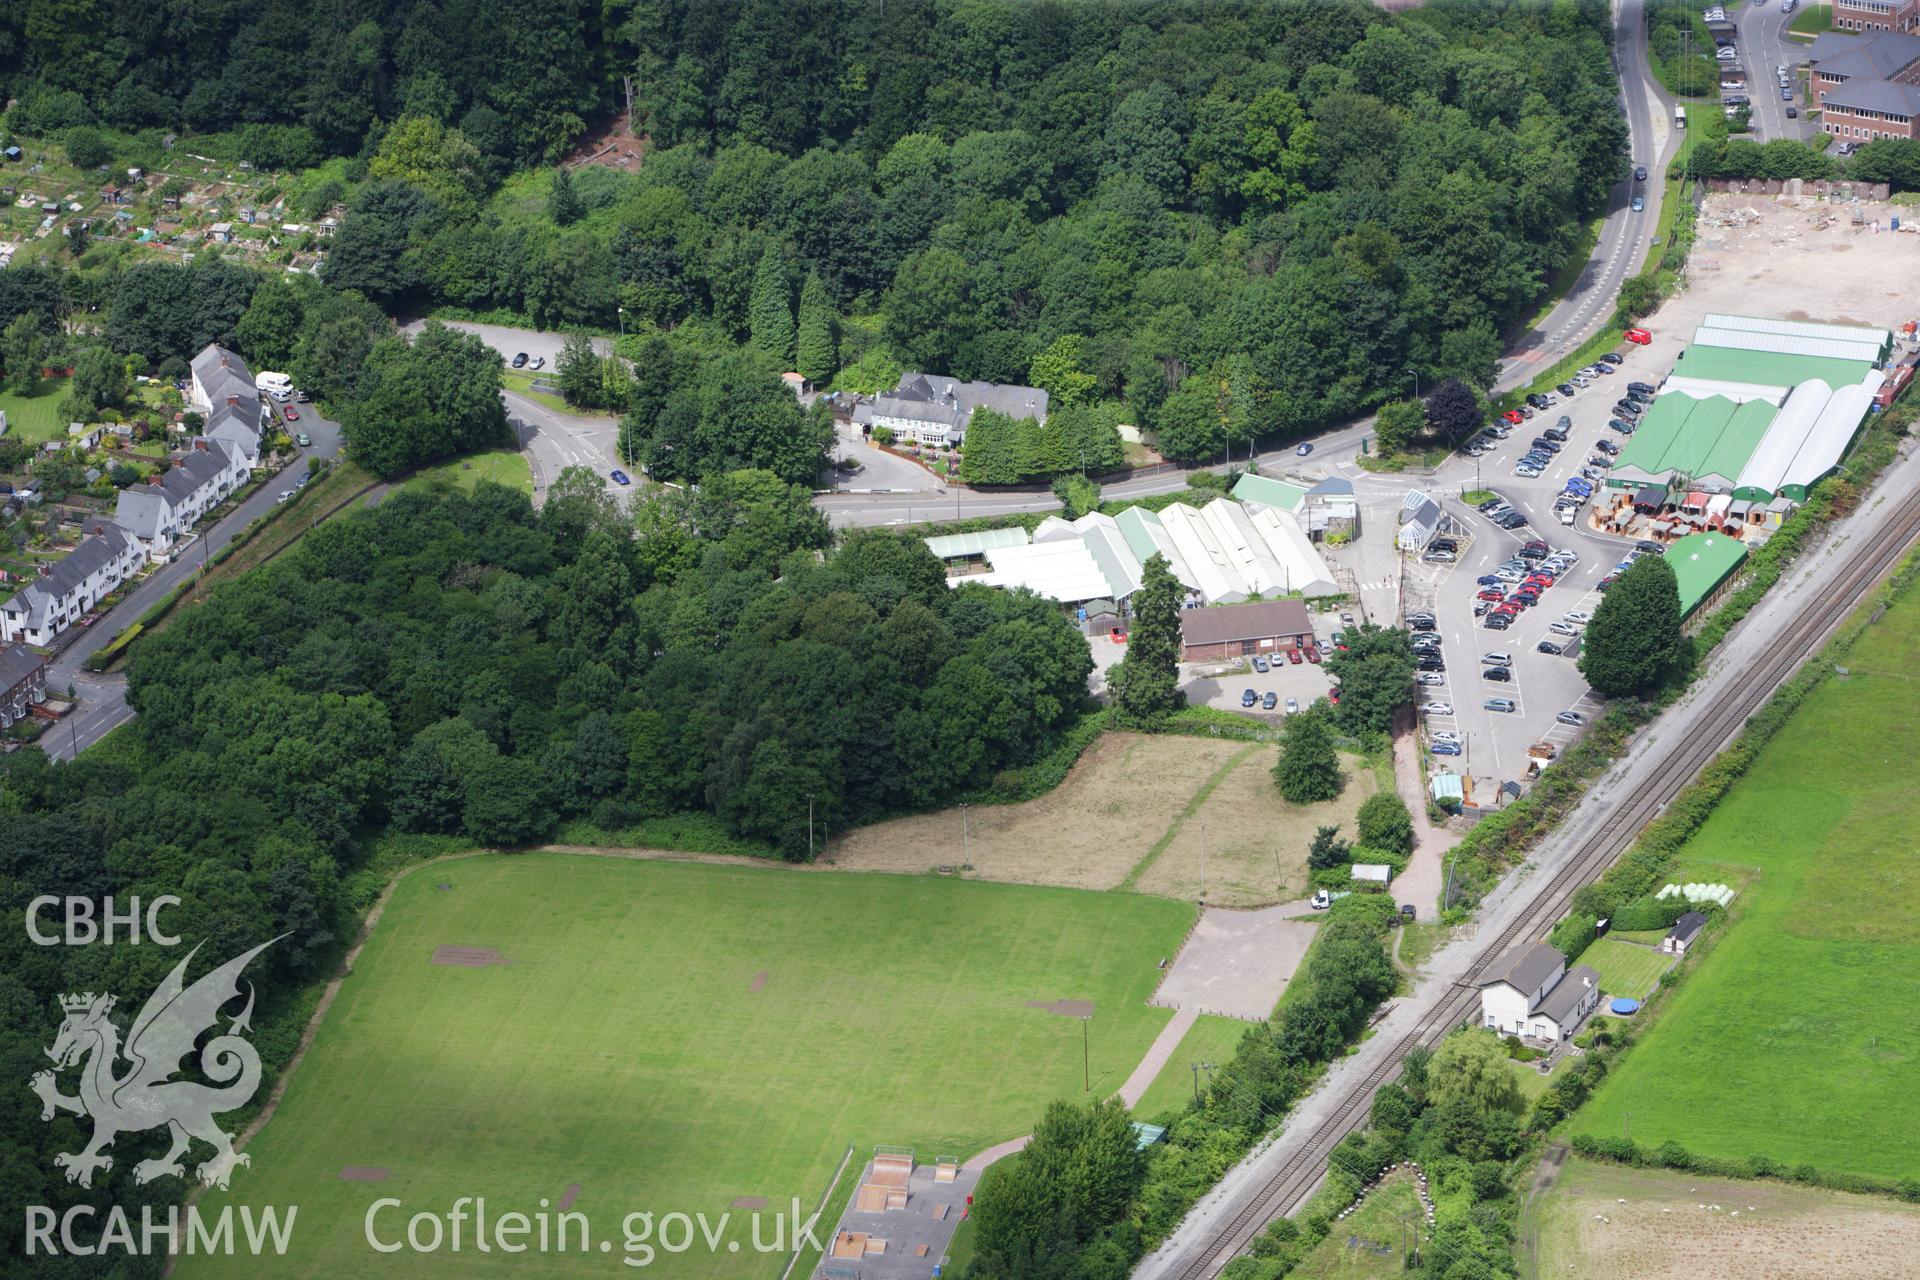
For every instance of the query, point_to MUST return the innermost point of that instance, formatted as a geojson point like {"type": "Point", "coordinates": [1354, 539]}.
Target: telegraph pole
{"type": "Point", "coordinates": [809, 827]}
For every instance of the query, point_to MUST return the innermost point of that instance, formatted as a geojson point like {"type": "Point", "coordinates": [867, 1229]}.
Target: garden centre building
{"type": "Point", "coordinates": [1756, 412]}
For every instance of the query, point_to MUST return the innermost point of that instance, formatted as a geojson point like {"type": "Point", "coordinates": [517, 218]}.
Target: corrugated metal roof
{"type": "Point", "coordinates": [1767, 368]}
{"type": "Point", "coordinates": [1707, 440]}
{"type": "Point", "coordinates": [1791, 344]}
{"type": "Point", "coordinates": [1795, 328]}
{"type": "Point", "coordinates": [1701, 562]}
{"type": "Point", "coordinates": [1269, 493]}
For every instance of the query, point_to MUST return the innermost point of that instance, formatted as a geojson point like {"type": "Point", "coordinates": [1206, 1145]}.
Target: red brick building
{"type": "Point", "coordinates": [1868, 86]}
{"type": "Point", "coordinates": [1876, 15]}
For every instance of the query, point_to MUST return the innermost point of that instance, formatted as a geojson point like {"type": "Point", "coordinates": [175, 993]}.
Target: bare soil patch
{"type": "Point", "coordinates": [1675, 1226]}
{"type": "Point", "coordinates": [468, 957]}
{"type": "Point", "coordinates": [1254, 843]}
{"type": "Point", "coordinates": [1064, 1008]}
{"type": "Point", "coordinates": [749, 1202]}
{"type": "Point", "coordinates": [1088, 833]}
{"type": "Point", "coordinates": [1237, 963]}
{"type": "Point", "coordinates": [363, 1173]}
{"type": "Point", "coordinates": [1797, 259]}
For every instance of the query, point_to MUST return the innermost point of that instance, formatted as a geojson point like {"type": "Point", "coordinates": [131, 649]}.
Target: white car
{"type": "Point", "coordinates": [1564, 629]}
{"type": "Point", "coordinates": [1579, 617]}
{"type": "Point", "coordinates": [1429, 677]}
{"type": "Point", "coordinates": [1444, 735]}
{"type": "Point", "coordinates": [286, 495]}
{"type": "Point", "coordinates": [1437, 709]}
{"type": "Point", "coordinates": [1527, 473]}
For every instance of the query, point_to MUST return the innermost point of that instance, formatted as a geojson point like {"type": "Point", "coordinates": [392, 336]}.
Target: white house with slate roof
{"type": "Point", "coordinates": [156, 513]}
{"type": "Point", "coordinates": [1530, 992]}
{"type": "Point", "coordinates": [223, 393]}
{"type": "Point", "coordinates": [928, 409]}
{"type": "Point", "coordinates": [57, 599]}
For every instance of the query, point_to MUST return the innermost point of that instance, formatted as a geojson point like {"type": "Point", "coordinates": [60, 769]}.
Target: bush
{"type": "Point", "coordinates": [1384, 823]}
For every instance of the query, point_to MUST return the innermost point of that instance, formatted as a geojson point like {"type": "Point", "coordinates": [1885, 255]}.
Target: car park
{"type": "Point", "coordinates": [1270, 701]}
{"type": "Point", "coordinates": [1505, 706]}
{"type": "Point", "coordinates": [1249, 698]}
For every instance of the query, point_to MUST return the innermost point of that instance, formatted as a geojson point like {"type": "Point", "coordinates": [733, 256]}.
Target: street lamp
{"type": "Point", "coordinates": [623, 320]}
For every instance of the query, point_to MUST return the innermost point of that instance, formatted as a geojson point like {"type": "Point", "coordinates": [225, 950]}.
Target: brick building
{"type": "Point", "coordinates": [1876, 15]}
{"type": "Point", "coordinates": [1234, 630]}
{"type": "Point", "coordinates": [1867, 87]}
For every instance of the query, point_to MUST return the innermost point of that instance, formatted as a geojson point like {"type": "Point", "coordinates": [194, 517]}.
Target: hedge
{"type": "Point", "coordinates": [1671, 1155]}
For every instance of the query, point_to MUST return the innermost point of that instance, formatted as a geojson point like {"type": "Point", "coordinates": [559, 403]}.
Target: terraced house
{"type": "Point", "coordinates": [224, 394]}
{"type": "Point", "coordinates": [44, 608]}
{"type": "Point", "coordinates": [158, 512]}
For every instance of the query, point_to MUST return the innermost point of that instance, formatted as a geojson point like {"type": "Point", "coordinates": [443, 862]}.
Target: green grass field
{"type": "Point", "coordinates": [1625, 968]}
{"type": "Point", "coordinates": [1209, 1039]}
{"type": "Point", "coordinates": [1378, 1229]}
{"type": "Point", "coordinates": [1794, 1036]}
{"type": "Point", "coordinates": [34, 416]}
{"type": "Point", "coordinates": [502, 466]}
{"type": "Point", "coordinates": [625, 1048]}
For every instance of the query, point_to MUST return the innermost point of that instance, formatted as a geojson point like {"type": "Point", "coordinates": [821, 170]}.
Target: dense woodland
{"type": "Point", "coordinates": [1222, 221]}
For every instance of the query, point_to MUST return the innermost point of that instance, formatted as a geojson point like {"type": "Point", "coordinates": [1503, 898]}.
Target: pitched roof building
{"type": "Point", "coordinates": [23, 683]}
{"type": "Point", "coordinates": [56, 600]}
{"type": "Point", "coordinates": [931, 409]}
{"type": "Point", "coordinates": [1231, 630]}
{"type": "Point", "coordinates": [167, 505]}
{"type": "Point", "coordinates": [1867, 86]}
{"type": "Point", "coordinates": [1530, 992]}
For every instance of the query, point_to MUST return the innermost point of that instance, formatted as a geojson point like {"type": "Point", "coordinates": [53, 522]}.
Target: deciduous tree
{"type": "Point", "coordinates": [1308, 770]}
{"type": "Point", "coordinates": [1145, 684]}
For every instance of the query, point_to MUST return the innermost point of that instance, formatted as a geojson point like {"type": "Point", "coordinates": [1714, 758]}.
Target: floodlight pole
{"type": "Point", "coordinates": [809, 827]}
{"type": "Point", "coordinates": [1086, 1058]}
{"type": "Point", "coordinates": [966, 837]}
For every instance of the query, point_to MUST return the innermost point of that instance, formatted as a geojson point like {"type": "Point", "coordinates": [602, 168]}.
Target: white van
{"type": "Point", "coordinates": [270, 382]}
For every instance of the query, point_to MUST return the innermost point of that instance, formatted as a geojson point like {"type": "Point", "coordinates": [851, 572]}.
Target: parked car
{"type": "Point", "coordinates": [304, 440]}
{"type": "Point", "coordinates": [1270, 701]}
{"type": "Point", "coordinates": [1567, 389]}
{"type": "Point", "coordinates": [1293, 656]}
{"type": "Point", "coordinates": [1445, 748]}
{"type": "Point", "coordinates": [620, 477]}
{"type": "Point", "coordinates": [1607, 447]}
{"type": "Point", "coordinates": [1260, 664]}
{"type": "Point", "coordinates": [1304, 449]}
{"type": "Point", "coordinates": [1313, 653]}
{"type": "Point", "coordinates": [286, 495]}
{"type": "Point", "coordinates": [520, 360]}
{"type": "Point", "coordinates": [1793, 113]}
{"type": "Point", "coordinates": [1429, 677]}
{"type": "Point", "coordinates": [1249, 698]}
{"type": "Point", "coordinates": [1563, 629]}
{"type": "Point", "coordinates": [1578, 616]}
{"type": "Point", "coordinates": [1514, 416]}
{"type": "Point", "coordinates": [1497, 621]}
{"type": "Point", "coordinates": [1505, 706]}
{"type": "Point", "coordinates": [1621, 425]}
{"type": "Point", "coordinates": [1570, 717]}
{"type": "Point", "coordinates": [1436, 709]}
{"type": "Point", "coordinates": [1497, 673]}
{"type": "Point", "coordinates": [1639, 337]}
{"type": "Point", "coordinates": [1548, 646]}
{"type": "Point", "coordinates": [1293, 706]}
{"type": "Point", "coordinates": [538, 362]}
{"type": "Point", "coordinates": [293, 414]}
{"type": "Point", "coordinates": [1612, 357]}
{"type": "Point", "coordinates": [303, 396]}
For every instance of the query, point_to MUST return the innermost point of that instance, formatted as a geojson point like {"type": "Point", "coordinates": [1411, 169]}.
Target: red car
{"type": "Point", "coordinates": [1491, 594]}
{"type": "Point", "coordinates": [1639, 336]}
{"type": "Point", "coordinates": [1538, 581]}
{"type": "Point", "coordinates": [293, 415]}
{"type": "Point", "coordinates": [1313, 653]}
{"type": "Point", "coordinates": [1333, 694]}
{"type": "Point", "coordinates": [1293, 656]}
{"type": "Point", "coordinates": [1118, 635]}
{"type": "Point", "coordinates": [1514, 416]}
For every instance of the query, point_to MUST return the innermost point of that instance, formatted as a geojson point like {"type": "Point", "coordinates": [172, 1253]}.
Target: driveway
{"type": "Point", "coordinates": [103, 698]}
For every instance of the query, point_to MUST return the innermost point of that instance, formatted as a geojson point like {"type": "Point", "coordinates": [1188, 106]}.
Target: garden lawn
{"type": "Point", "coordinates": [672, 1036]}
{"type": "Point", "coordinates": [502, 466]}
{"type": "Point", "coordinates": [1626, 968]}
{"type": "Point", "coordinates": [34, 416]}
{"type": "Point", "coordinates": [1794, 1035]}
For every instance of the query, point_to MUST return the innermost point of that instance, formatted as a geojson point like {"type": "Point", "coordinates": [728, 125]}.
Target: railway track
{"type": "Point", "coordinates": [1296, 1178]}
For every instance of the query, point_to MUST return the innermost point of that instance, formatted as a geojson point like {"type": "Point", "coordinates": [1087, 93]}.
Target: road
{"type": "Point", "coordinates": [1764, 49]}
{"type": "Point", "coordinates": [103, 697]}
{"type": "Point", "coordinates": [1793, 621]}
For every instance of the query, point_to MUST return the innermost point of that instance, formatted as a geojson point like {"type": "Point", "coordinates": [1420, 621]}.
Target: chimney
{"type": "Point", "coordinates": [223, 359]}
{"type": "Point", "coordinates": [233, 400]}
{"type": "Point", "coordinates": [154, 479]}
{"type": "Point", "coordinates": [200, 443]}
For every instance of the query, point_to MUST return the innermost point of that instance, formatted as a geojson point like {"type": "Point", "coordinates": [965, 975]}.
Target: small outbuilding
{"type": "Point", "coordinates": [1684, 931]}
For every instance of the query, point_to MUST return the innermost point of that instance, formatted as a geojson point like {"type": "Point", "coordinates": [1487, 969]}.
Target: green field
{"type": "Point", "coordinates": [34, 416]}
{"type": "Point", "coordinates": [1209, 1039]}
{"type": "Point", "coordinates": [502, 466]}
{"type": "Point", "coordinates": [1626, 968]}
{"type": "Point", "coordinates": [1794, 1037]}
{"type": "Point", "coordinates": [624, 1047]}
{"type": "Point", "coordinates": [1366, 1245]}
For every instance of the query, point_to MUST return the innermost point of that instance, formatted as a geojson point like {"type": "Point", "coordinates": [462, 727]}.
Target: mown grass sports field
{"type": "Point", "coordinates": [675, 1036]}
{"type": "Point", "coordinates": [1793, 1036]}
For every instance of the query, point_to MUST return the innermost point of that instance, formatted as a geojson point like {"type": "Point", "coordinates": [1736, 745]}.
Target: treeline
{"type": "Point", "coordinates": [1239, 219]}
{"type": "Point", "coordinates": [1894, 161]}
{"type": "Point", "coordinates": [1080, 1202]}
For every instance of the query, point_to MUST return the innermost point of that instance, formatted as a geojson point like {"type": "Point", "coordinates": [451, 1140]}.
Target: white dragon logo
{"type": "Point", "coordinates": [145, 1097]}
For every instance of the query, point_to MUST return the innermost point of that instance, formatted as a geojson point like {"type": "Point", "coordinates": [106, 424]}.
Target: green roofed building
{"type": "Point", "coordinates": [1269, 493]}
{"type": "Point", "coordinates": [1703, 563]}
{"type": "Point", "coordinates": [1708, 442]}
{"type": "Point", "coordinates": [1760, 369]}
